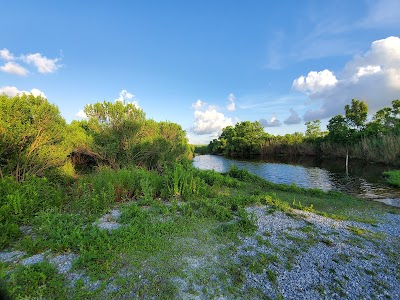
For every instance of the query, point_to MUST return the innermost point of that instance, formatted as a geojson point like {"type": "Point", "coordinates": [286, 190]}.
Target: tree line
{"type": "Point", "coordinates": [36, 140]}
{"type": "Point", "coordinates": [375, 140]}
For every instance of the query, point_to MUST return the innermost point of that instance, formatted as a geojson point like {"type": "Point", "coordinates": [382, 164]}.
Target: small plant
{"type": "Point", "coordinates": [40, 280]}
{"type": "Point", "coordinates": [393, 177]}
{"type": "Point", "coordinates": [272, 277]}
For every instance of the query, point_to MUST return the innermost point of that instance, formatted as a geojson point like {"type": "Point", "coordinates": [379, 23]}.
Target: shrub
{"type": "Point", "coordinates": [20, 202]}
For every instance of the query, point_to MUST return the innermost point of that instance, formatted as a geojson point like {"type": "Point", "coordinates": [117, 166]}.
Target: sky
{"type": "Point", "coordinates": [205, 64]}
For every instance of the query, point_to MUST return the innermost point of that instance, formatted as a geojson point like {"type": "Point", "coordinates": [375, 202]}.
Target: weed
{"type": "Point", "coordinates": [271, 275]}
{"type": "Point", "coordinates": [370, 272]}
{"type": "Point", "coordinates": [327, 242]}
{"type": "Point", "coordinates": [393, 177]}
{"type": "Point", "coordinates": [40, 280]}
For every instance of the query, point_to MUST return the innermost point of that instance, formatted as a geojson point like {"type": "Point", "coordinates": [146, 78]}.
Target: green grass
{"type": "Point", "coordinates": [38, 281]}
{"type": "Point", "coordinates": [393, 177]}
{"type": "Point", "coordinates": [172, 225]}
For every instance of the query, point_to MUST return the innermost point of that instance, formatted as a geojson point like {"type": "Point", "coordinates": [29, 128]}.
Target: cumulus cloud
{"type": "Point", "coordinates": [6, 54]}
{"type": "Point", "coordinates": [315, 82]}
{"type": "Point", "coordinates": [209, 120]}
{"type": "Point", "coordinates": [81, 114]}
{"type": "Point", "coordinates": [294, 118]}
{"type": "Point", "coordinates": [231, 105]}
{"type": "Point", "coordinates": [42, 63]}
{"type": "Point", "coordinates": [13, 91]}
{"type": "Point", "coordinates": [14, 68]}
{"type": "Point", "coordinates": [198, 104]}
{"type": "Point", "coordinates": [373, 76]}
{"type": "Point", "coordinates": [273, 122]}
{"type": "Point", "coordinates": [125, 97]}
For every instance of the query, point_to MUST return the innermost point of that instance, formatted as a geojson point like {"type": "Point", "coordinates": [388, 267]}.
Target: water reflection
{"type": "Point", "coordinates": [363, 180]}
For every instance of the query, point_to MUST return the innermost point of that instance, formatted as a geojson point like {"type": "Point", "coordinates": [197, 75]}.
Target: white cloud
{"type": "Point", "coordinates": [273, 122]}
{"type": "Point", "coordinates": [294, 118]}
{"type": "Point", "coordinates": [208, 121]}
{"type": "Point", "coordinates": [198, 104]}
{"type": "Point", "coordinates": [6, 54]}
{"type": "Point", "coordinates": [373, 77]}
{"type": "Point", "coordinates": [125, 96]}
{"type": "Point", "coordinates": [81, 114]}
{"type": "Point", "coordinates": [42, 63]}
{"type": "Point", "coordinates": [13, 91]}
{"type": "Point", "coordinates": [315, 82]}
{"type": "Point", "coordinates": [368, 70]}
{"type": "Point", "coordinates": [14, 68]}
{"type": "Point", "coordinates": [231, 105]}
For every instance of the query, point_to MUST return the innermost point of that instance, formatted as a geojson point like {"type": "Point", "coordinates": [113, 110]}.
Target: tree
{"type": "Point", "coordinates": [123, 136]}
{"type": "Point", "coordinates": [114, 114]}
{"type": "Point", "coordinates": [116, 129]}
{"type": "Point", "coordinates": [243, 140]}
{"type": "Point", "coordinates": [32, 135]}
{"type": "Point", "coordinates": [386, 120]}
{"type": "Point", "coordinates": [313, 130]}
{"type": "Point", "coordinates": [356, 114]}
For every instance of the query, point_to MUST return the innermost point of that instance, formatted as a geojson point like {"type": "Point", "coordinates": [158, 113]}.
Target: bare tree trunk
{"type": "Point", "coordinates": [347, 161]}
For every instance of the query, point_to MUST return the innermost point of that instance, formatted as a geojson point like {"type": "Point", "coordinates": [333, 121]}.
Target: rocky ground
{"type": "Point", "coordinates": [300, 255]}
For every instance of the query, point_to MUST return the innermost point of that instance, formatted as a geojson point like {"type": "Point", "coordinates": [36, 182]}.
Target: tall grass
{"type": "Point", "coordinates": [393, 177]}
{"type": "Point", "coordinates": [380, 149]}
{"type": "Point", "coordinates": [182, 181]}
{"type": "Point", "coordinates": [383, 149]}
{"type": "Point", "coordinates": [276, 147]}
{"type": "Point", "coordinates": [21, 201]}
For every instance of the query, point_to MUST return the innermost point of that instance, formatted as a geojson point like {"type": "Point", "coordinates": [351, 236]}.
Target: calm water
{"type": "Point", "coordinates": [364, 180]}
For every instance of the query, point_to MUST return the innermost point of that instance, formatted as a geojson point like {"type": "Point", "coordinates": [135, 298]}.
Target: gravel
{"type": "Point", "coordinates": [345, 266]}
{"type": "Point", "coordinates": [33, 259]}
{"type": "Point", "coordinates": [109, 221]}
{"type": "Point", "coordinates": [63, 262]}
{"type": "Point", "coordinates": [11, 256]}
{"type": "Point", "coordinates": [318, 258]}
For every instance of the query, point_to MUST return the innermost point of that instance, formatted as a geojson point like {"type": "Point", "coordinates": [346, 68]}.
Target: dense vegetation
{"type": "Point", "coordinates": [393, 177]}
{"type": "Point", "coordinates": [41, 155]}
{"type": "Point", "coordinates": [58, 179]}
{"type": "Point", "coordinates": [377, 140]}
{"type": "Point", "coordinates": [36, 140]}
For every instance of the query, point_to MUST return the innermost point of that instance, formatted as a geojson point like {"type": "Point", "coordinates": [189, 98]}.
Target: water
{"type": "Point", "coordinates": [363, 180]}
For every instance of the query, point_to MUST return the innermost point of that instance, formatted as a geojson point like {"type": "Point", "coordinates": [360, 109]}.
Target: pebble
{"type": "Point", "coordinates": [11, 256]}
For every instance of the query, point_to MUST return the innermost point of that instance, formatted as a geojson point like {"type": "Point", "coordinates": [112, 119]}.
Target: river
{"type": "Point", "coordinates": [363, 180]}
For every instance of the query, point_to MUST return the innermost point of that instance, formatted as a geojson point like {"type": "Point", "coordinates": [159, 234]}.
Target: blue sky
{"type": "Point", "coordinates": [205, 64]}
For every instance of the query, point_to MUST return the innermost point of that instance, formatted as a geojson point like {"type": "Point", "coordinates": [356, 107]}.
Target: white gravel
{"type": "Point", "coordinates": [33, 259]}
{"type": "Point", "coordinates": [109, 221]}
{"type": "Point", "coordinates": [318, 258]}
{"type": "Point", "coordinates": [350, 266]}
{"type": "Point", "coordinates": [11, 256]}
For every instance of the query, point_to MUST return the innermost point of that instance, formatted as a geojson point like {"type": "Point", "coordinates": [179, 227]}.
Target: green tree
{"type": "Point", "coordinates": [123, 136]}
{"type": "Point", "coordinates": [116, 129]}
{"type": "Point", "coordinates": [32, 136]}
{"type": "Point", "coordinates": [243, 140]}
{"type": "Point", "coordinates": [386, 120]}
{"type": "Point", "coordinates": [339, 131]}
{"type": "Point", "coordinates": [356, 114]}
{"type": "Point", "coordinates": [313, 130]}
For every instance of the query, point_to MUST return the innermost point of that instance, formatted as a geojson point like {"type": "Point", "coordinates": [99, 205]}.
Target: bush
{"type": "Point", "coordinates": [20, 202]}
{"type": "Point", "coordinates": [37, 281]}
{"type": "Point", "coordinates": [393, 177]}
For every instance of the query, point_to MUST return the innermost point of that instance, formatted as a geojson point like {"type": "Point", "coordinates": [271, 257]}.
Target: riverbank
{"type": "Point", "coordinates": [393, 177]}
{"type": "Point", "coordinates": [239, 237]}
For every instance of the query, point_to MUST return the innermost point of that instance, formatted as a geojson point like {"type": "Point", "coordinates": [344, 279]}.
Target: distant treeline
{"type": "Point", "coordinates": [377, 140]}
{"type": "Point", "coordinates": [36, 140]}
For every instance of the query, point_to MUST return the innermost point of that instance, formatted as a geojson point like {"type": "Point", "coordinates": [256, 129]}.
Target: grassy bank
{"type": "Point", "coordinates": [393, 177]}
{"type": "Point", "coordinates": [169, 222]}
